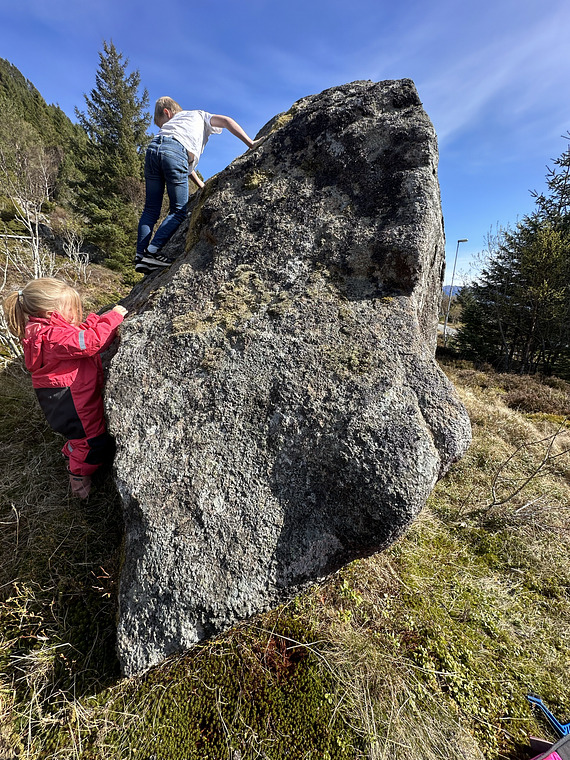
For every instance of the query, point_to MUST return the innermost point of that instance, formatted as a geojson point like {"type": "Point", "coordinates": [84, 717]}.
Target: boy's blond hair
{"type": "Point", "coordinates": [161, 104]}
{"type": "Point", "coordinates": [40, 298]}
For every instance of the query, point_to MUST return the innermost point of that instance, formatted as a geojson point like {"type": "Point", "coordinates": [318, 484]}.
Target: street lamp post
{"type": "Point", "coordinates": [463, 240]}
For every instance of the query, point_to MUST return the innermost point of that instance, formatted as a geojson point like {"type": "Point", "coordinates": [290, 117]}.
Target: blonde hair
{"type": "Point", "coordinates": [40, 298]}
{"type": "Point", "coordinates": [161, 104]}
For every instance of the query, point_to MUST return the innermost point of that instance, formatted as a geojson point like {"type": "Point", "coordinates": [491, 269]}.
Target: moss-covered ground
{"type": "Point", "coordinates": [425, 651]}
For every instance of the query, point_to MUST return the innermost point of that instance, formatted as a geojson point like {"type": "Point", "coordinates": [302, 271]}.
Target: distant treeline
{"type": "Point", "coordinates": [90, 174]}
{"type": "Point", "coordinates": [21, 100]}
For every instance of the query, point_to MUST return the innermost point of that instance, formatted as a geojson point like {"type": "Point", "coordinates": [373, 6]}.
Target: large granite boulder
{"type": "Point", "coordinates": [275, 398]}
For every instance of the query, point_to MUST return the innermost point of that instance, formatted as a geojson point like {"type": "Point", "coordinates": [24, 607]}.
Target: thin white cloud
{"type": "Point", "coordinates": [470, 61]}
{"type": "Point", "coordinates": [516, 77]}
{"type": "Point", "coordinates": [66, 17]}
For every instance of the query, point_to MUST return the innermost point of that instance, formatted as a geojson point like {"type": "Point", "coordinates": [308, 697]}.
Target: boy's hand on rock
{"type": "Point", "coordinates": [257, 143]}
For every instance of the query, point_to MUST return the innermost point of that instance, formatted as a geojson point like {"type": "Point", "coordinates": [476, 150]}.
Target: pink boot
{"type": "Point", "coordinates": [80, 485]}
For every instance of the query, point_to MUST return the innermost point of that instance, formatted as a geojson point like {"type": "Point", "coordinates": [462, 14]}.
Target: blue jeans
{"type": "Point", "coordinates": [166, 163]}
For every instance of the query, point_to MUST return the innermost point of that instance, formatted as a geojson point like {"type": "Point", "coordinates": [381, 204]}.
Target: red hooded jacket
{"type": "Point", "coordinates": [66, 370]}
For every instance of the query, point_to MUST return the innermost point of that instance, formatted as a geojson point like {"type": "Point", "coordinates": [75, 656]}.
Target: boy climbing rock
{"type": "Point", "coordinates": [171, 156]}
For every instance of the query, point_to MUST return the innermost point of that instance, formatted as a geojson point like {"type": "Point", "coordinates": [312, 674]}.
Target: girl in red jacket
{"type": "Point", "coordinates": [62, 354]}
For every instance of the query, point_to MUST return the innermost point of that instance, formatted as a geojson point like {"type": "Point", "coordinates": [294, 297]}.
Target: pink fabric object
{"type": "Point", "coordinates": [67, 376]}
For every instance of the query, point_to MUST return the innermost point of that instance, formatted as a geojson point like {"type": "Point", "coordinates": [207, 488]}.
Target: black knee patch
{"type": "Point", "coordinates": [59, 408]}
{"type": "Point", "coordinates": [101, 449]}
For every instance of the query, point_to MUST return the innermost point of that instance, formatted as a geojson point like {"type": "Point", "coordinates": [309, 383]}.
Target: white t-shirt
{"type": "Point", "coordinates": [192, 129]}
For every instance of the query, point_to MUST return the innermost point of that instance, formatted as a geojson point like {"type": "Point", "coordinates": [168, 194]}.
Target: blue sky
{"type": "Point", "coordinates": [493, 75]}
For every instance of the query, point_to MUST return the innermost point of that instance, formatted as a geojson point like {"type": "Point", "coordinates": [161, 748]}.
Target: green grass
{"type": "Point", "coordinates": [425, 651]}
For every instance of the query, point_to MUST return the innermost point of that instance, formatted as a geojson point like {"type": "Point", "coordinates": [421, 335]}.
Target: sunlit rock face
{"type": "Point", "coordinates": [275, 398]}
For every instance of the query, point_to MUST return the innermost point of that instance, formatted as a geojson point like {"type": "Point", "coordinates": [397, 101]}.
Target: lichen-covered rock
{"type": "Point", "coordinates": [275, 398]}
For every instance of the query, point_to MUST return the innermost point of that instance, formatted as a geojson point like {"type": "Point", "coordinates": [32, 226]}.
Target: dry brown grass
{"type": "Point", "coordinates": [56, 616]}
{"type": "Point", "coordinates": [432, 644]}
{"type": "Point", "coordinates": [439, 639]}
{"type": "Point", "coordinates": [525, 393]}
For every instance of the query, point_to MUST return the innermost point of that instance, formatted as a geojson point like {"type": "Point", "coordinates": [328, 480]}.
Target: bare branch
{"type": "Point", "coordinates": [546, 460]}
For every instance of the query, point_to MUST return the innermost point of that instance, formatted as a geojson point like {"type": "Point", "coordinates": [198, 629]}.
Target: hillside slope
{"type": "Point", "coordinates": [426, 650]}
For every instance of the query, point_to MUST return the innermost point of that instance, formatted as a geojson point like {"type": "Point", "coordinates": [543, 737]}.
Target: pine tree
{"type": "Point", "coordinates": [517, 315]}
{"type": "Point", "coordinates": [555, 205]}
{"type": "Point", "coordinates": [111, 191]}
